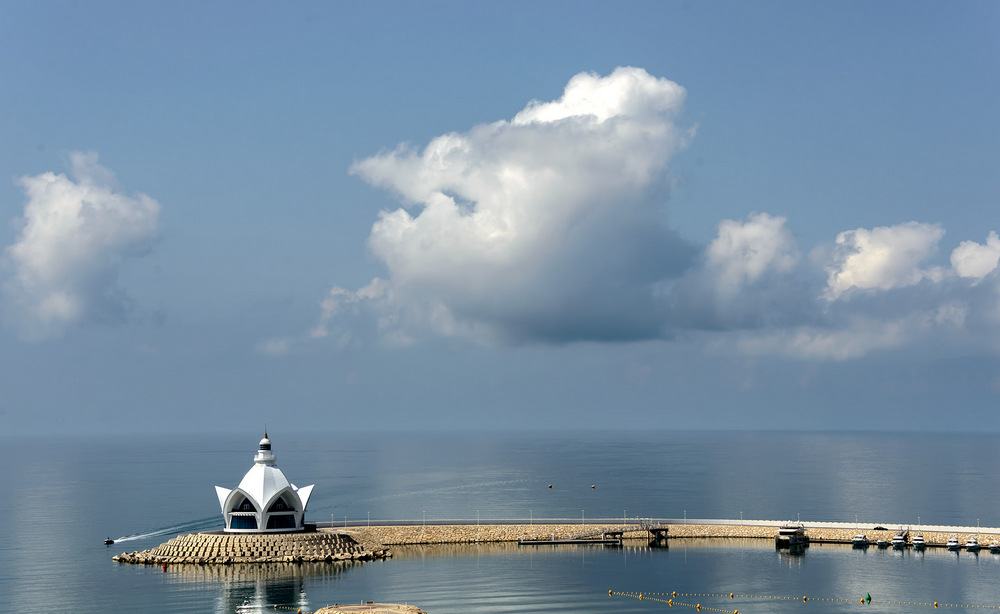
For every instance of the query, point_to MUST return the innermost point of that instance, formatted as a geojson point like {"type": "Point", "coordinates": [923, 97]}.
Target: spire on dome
{"type": "Point", "coordinates": [264, 454]}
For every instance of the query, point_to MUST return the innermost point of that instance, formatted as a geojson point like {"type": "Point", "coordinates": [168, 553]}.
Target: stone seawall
{"type": "Point", "coordinates": [365, 543]}
{"type": "Point", "coordinates": [836, 536]}
{"type": "Point", "coordinates": [458, 534]}
{"type": "Point", "coordinates": [228, 548]}
{"type": "Point", "coordinates": [471, 534]}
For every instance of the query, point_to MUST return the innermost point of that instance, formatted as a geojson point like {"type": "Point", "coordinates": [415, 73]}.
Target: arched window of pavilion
{"type": "Point", "coordinates": [245, 505]}
{"type": "Point", "coordinates": [280, 506]}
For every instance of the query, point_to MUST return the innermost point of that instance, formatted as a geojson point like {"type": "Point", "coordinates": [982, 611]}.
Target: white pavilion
{"type": "Point", "coordinates": [265, 501]}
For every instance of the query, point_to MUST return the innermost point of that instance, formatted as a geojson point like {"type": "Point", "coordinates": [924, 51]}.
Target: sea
{"type": "Point", "coordinates": [62, 497]}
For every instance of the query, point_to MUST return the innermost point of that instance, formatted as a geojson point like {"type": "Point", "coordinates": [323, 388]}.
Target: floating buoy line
{"type": "Point", "coordinates": [677, 599]}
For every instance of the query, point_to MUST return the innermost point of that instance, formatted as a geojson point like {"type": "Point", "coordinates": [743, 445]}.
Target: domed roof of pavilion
{"type": "Point", "coordinates": [265, 501]}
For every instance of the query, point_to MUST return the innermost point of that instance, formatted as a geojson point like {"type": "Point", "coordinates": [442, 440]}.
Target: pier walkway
{"type": "Point", "coordinates": [403, 532]}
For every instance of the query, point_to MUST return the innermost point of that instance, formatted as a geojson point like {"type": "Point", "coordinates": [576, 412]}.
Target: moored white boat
{"type": "Point", "coordinates": [953, 543]}
{"type": "Point", "coordinates": [972, 545]}
{"type": "Point", "coordinates": [918, 542]}
{"type": "Point", "coordinates": [860, 541]}
{"type": "Point", "coordinates": [995, 547]}
{"type": "Point", "coordinates": [791, 536]}
{"type": "Point", "coordinates": [899, 540]}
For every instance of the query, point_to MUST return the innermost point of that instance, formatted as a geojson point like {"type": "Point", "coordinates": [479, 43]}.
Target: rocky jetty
{"type": "Point", "coordinates": [398, 535]}
{"type": "Point", "coordinates": [382, 536]}
{"type": "Point", "coordinates": [219, 548]}
{"type": "Point", "coordinates": [372, 608]}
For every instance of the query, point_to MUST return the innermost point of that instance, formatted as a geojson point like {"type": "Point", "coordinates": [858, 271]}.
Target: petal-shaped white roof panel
{"type": "Point", "coordinates": [222, 493]}
{"type": "Point", "coordinates": [304, 494]}
{"type": "Point", "coordinates": [262, 482]}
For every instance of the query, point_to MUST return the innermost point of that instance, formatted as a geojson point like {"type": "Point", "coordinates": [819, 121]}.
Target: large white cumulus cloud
{"type": "Point", "coordinates": [547, 226]}
{"type": "Point", "coordinates": [75, 232]}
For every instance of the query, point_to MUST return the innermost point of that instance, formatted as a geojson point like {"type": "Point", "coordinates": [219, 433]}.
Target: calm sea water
{"type": "Point", "coordinates": [62, 498]}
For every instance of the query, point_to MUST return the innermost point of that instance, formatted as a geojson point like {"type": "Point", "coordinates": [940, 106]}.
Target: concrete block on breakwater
{"type": "Point", "coordinates": [227, 548]}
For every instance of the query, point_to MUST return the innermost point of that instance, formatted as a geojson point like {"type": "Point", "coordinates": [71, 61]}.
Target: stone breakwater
{"type": "Point", "coordinates": [371, 608]}
{"type": "Point", "coordinates": [324, 545]}
{"type": "Point", "coordinates": [836, 536]}
{"type": "Point", "coordinates": [366, 543]}
{"type": "Point", "coordinates": [470, 534]}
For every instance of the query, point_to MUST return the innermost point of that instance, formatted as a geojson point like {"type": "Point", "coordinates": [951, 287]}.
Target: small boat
{"type": "Point", "coordinates": [953, 543]}
{"type": "Point", "coordinates": [899, 540]}
{"type": "Point", "coordinates": [860, 541]}
{"type": "Point", "coordinates": [108, 541]}
{"type": "Point", "coordinates": [972, 545]}
{"type": "Point", "coordinates": [882, 543]}
{"type": "Point", "coordinates": [791, 536]}
{"type": "Point", "coordinates": [994, 547]}
{"type": "Point", "coordinates": [918, 542]}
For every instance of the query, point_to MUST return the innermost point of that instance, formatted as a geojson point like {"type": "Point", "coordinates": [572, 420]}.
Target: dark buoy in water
{"type": "Point", "coordinates": [550, 485]}
{"type": "Point", "coordinates": [592, 486]}
{"type": "Point", "coordinates": [108, 541]}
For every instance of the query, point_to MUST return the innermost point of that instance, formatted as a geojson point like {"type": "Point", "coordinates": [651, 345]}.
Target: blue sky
{"type": "Point", "coordinates": [350, 216]}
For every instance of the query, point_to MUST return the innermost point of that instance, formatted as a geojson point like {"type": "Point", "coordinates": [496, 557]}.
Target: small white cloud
{"type": "Point", "coordinates": [882, 258]}
{"type": "Point", "coordinates": [744, 251]}
{"type": "Point", "coordinates": [75, 233]}
{"type": "Point", "coordinates": [971, 259]}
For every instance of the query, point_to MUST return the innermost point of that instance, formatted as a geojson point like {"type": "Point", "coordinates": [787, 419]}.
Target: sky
{"type": "Point", "coordinates": [346, 216]}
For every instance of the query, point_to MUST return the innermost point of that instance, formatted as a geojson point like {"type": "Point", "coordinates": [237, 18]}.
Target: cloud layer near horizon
{"type": "Point", "coordinates": [549, 228]}
{"type": "Point", "coordinates": [75, 232]}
